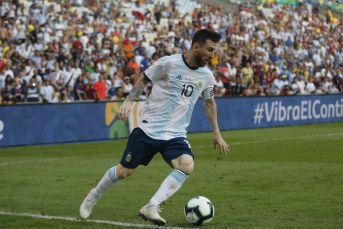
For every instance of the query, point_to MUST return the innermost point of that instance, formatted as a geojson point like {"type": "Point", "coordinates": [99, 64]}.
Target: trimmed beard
{"type": "Point", "coordinates": [199, 61]}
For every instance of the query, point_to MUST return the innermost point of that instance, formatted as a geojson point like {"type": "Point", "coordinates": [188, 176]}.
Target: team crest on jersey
{"type": "Point", "coordinates": [128, 157]}
{"type": "Point", "coordinates": [199, 84]}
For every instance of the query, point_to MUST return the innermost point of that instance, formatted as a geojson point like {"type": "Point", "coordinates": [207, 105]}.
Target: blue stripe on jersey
{"type": "Point", "coordinates": [186, 118]}
{"type": "Point", "coordinates": [168, 108]}
{"type": "Point", "coordinates": [177, 96]}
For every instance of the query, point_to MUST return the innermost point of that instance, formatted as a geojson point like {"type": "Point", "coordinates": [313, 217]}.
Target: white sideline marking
{"type": "Point", "coordinates": [277, 139]}
{"type": "Point", "coordinates": [22, 162]}
{"type": "Point", "coordinates": [92, 221]}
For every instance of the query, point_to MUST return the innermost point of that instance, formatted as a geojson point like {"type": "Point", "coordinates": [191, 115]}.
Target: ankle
{"type": "Point", "coordinates": [95, 195]}
{"type": "Point", "coordinates": [153, 202]}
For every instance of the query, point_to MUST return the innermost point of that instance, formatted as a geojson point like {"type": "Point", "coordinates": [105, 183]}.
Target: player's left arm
{"type": "Point", "coordinates": [211, 113]}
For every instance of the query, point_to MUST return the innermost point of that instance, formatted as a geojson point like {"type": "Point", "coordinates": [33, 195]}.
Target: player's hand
{"type": "Point", "coordinates": [124, 110]}
{"type": "Point", "coordinates": [223, 146]}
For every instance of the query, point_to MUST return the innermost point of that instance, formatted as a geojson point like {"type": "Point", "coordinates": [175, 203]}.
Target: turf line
{"type": "Point", "coordinates": [79, 220]}
{"type": "Point", "coordinates": [24, 162]}
{"type": "Point", "coordinates": [277, 139]}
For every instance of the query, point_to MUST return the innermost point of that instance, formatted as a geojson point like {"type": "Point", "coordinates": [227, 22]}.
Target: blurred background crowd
{"type": "Point", "coordinates": [96, 51]}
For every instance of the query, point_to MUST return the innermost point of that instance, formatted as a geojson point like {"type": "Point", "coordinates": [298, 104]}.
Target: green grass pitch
{"type": "Point", "coordinates": [286, 177]}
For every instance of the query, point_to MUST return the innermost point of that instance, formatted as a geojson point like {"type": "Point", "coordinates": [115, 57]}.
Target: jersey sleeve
{"type": "Point", "coordinates": [155, 71]}
{"type": "Point", "coordinates": [208, 91]}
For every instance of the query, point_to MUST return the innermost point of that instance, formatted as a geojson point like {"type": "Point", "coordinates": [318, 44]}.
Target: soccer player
{"type": "Point", "coordinates": [179, 80]}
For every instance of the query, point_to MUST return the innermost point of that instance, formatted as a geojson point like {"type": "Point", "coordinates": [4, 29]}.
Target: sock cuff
{"type": "Point", "coordinates": [113, 174]}
{"type": "Point", "coordinates": [179, 175]}
{"type": "Point", "coordinates": [182, 172]}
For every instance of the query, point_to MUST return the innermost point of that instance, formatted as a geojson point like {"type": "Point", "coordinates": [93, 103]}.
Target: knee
{"type": "Point", "coordinates": [123, 172]}
{"type": "Point", "coordinates": [189, 169]}
{"type": "Point", "coordinates": [184, 163]}
{"type": "Point", "coordinates": [186, 167]}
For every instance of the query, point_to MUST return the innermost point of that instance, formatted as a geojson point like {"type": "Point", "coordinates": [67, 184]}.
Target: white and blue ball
{"type": "Point", "coordinates": [199, 211]}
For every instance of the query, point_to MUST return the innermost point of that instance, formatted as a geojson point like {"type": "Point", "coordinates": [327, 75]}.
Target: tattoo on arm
{"type": "Point", "coordinates": [137, 89]}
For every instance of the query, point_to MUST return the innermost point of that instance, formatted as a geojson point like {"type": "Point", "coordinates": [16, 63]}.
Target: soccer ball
{"type": "Point", "coordinates": [199, 211]}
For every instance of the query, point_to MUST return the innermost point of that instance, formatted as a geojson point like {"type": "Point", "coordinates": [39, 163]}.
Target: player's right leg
{"type": "Point", "coordinates": [138, 151]}
{"type": "Point", "coordinates": [111, 177]}
{"type": "Point", "coordinates": [177, 153]}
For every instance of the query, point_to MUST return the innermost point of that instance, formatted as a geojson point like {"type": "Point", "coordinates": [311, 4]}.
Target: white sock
{"type": "Point", "coordinates": [107, 182]}
{"type": "Point", "coordinates": [169, 186]}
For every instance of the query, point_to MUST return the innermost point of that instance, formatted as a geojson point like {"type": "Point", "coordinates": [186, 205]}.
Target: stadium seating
{"type": "Point", "coordinates": [256, 34]}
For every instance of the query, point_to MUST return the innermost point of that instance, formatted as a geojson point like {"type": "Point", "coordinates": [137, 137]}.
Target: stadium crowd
{"type": "Point", "coordinates": [71, 52]}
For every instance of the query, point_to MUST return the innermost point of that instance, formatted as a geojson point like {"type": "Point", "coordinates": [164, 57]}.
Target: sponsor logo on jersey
{"type": "Point", "coordinates": [179, 77]}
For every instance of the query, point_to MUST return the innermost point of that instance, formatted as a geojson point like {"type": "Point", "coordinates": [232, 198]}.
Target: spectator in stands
{"type": "Point", "coordinates": [17, 91]}
{"type": "Point", "coordinates": [145, 63]}
{"type": "Point", "coordinates": [286, 90]}
{"type": "Point", "coordinates": [278, 84]}
{"type": "Point", "coordinates": [2, 79]}
{"type": "Point", "coordinates": [301, 85]}
{"type": "Point", "coordinates": [295, 86]}
{"type": "Point", "coordinates": [5, 97]}
{"type": "Point", "coordinates": [238, 88]}
{"type": "Point", "coordinates": [8, 83]}
{"type": "Point", "coordinates": [247, 73]}
{"type": "Point", "coordinates": [77, 44]}
{"type": "Point", "coordinates": [68, 77]}
{"type": "Point", "coordinates": [8, 70]}
{"type": "Point", "coordinates": [119, 94]}
{"type": "Point", "coordinates": [101, 66]}
{"type": "Point", "coordinates": [77, 53]}
{"type": "Point", "coordinates": [70, 93]}
{"type": "Point", "coordinates": [61, 97]}
{"type": "Point", "coordinates": [90, 90]}
{"type": "Point", "coordinates": [128, 48]}
{"type": "Point", "coordinates": [133, 65]}
{"type": "Point", "coordinates": [126, 85]}
{"type": "Point", "coordinates": [32, 91]}
{"type": "Point", "coordinates": [95, 75]}
{"type": "Point", "coordinates": [333, 89]}
{"type": "Point", "coordinates": [326, 85]}
{"type": "Point", "coordinates": [47, 91]}
{"type": "Point", "coordinates": [2, 64]}
{"type": "Point", "coordinates": [15, 58]}
{"type": "Point", "coordinates": [310, 88]}
{"type": "Point", "coordinates": [112, 89]}
{"type": "Point", "coordinates": [100, 88]}
{"type": "Point", "coordinates": [218, 82]}
{"type": "Point", "coordinates": [251, 87]}
{"type": "Point", "coordinates": [216, 91]}
{"type": "Point", "coordinates": [79, 89]}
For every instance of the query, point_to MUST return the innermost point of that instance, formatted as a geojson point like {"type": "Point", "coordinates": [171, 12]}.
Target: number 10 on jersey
{"type": "Point", "coordinates": [187, 90]}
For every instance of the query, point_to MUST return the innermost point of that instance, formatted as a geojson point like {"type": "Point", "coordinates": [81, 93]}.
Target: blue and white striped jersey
{"type": "Point", "coordinates": [176, 88]}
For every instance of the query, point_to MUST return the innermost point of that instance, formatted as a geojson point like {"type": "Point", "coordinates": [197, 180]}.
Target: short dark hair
{"type": "Point", "coordinates": [202, 35]}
